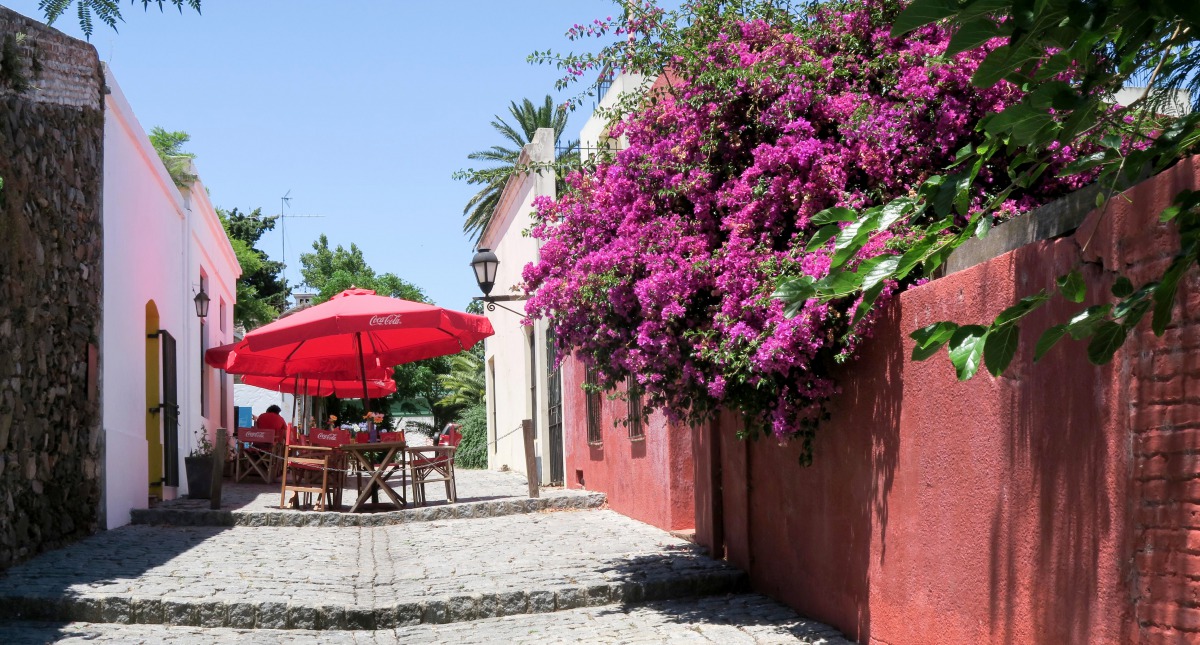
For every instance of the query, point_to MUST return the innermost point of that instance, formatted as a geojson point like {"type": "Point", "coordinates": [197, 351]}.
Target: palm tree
{"type": "Point", "coordinates": [528, 118]}
{"type": "Point", "coordinates": [465, 383]}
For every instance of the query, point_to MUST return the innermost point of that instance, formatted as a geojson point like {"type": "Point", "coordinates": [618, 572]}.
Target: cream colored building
{"type": "Point", "coordinates": [515, 358]}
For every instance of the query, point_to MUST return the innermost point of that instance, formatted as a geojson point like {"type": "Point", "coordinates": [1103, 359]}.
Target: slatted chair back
{"type": "Point", "coordinates": [257, 453]}
{"type": "Point", "coordinates": [315, 469]}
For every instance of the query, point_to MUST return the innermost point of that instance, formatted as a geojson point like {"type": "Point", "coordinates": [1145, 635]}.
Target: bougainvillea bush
{"type": "Point", "coordinates": [659, 263]}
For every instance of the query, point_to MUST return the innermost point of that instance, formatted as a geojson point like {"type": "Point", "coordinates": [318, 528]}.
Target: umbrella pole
{"type": "Point", "coordinates": [362, 372]}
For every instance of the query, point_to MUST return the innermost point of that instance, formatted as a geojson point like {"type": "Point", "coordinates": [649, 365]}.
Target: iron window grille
{"type": "Point", "coordinates": [637, 428]}
{"type": "Point", "coordinates": [592, 402]}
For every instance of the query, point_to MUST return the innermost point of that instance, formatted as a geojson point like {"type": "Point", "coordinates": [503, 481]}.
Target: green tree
{"type": "Point", "coordinates": [464, 384]}
{"type": "Point", "coordinates": [262, 291]}
{"type": "Point", "coordinates": [331, 271]}
{"type": "Point", "coordinates": [107, 11]}
{"type": "Point", "coordinates": [178, 162]}
{"type": "Point", "coordinates": [528, 119]}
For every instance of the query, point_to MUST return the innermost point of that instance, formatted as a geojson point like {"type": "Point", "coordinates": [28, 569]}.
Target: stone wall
{"type": "Point", "coordinates": [51, 139]}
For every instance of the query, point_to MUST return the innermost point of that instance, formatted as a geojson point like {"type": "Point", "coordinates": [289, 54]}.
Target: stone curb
{"type": "Point", "coordinates": [445, 609]}
{"type": "Point", "coordinates": [489, 508]}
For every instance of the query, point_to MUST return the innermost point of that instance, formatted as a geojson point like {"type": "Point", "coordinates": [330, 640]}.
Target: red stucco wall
{"type": "Point", "coordinates": [1059, 503]}
{"type": "Point", "coordinates": [648, 479]}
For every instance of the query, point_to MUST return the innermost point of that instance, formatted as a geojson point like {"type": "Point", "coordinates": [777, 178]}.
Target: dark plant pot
{"type": "Point", "coordinates": [199, 476]}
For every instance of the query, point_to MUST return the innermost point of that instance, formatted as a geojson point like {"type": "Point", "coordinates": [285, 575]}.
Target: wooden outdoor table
{"type": "Point", "coordinates": [379, 471]}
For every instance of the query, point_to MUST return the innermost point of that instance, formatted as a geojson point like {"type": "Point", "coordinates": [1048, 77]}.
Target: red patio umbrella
{"type": "Point", "coordinates": [359, 328]}
{"type": "Point", "coordinates": [238, 358]}
{"type": "Point", "coordinates": [343, 389]}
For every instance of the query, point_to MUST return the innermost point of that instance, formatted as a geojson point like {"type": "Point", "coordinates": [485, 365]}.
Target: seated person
{"type": "Point", "coordinates": [272, 420]}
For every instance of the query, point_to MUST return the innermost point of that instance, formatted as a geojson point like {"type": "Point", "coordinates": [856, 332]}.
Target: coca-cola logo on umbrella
{"type": "Point", "coordinates": [381, 321]}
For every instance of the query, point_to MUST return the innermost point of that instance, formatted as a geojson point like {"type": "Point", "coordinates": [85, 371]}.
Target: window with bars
{"type": "Point", "coordinates": [592, 401]}
{"type": "Point", "coordinates": [637, 428]}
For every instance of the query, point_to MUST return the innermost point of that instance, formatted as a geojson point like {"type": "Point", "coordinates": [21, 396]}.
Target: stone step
{"type": "Point", "coordinates": [169, 516]}
{"type": "Point", "coordinates": [265, 614]}
{"type": "Point", "coordinates": [742, 618]}
{"type": "Point", "coordinates": [275, 577]}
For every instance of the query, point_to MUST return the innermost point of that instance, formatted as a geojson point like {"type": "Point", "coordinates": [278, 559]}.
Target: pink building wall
{"type": "Point", "coordinates": [1055, 504]}
{"type": "Point", "coordinates": [649, 479]}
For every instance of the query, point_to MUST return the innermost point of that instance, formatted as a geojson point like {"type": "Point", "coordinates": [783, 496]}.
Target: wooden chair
{"type": "Point", "coordinates": [262, 457]}
{"type": "Point", "coordinates": [319, 461]}
{"type": "Point", "coordinates": [435, 469]}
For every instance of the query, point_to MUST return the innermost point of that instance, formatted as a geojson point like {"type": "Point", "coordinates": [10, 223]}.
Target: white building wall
{"type": "Point", "coordinates": [153, 241]}
{"type": "Point", "coordinates": [596, 127]}
{"type": "Point", "coordinates": [507, 353]}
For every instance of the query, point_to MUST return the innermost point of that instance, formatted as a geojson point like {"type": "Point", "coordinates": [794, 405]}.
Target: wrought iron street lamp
{"type": "Point", "coordinates": [201, 301]}
{"type": "Point", "coordinates": [485, 264]}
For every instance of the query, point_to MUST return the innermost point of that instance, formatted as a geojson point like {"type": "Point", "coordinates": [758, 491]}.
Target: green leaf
{"type": "Point", "coordinates": [1000, 348]}
{"type": "Point", "coordinates": [931, 338]}
{"type": "Point", "coordinates": [1022, 121]}
{"type": "Point", "coordinates": [837, 284]}
{"type": "Point", "coordinates": [1185, 200]}
{"type": "Point", "coordinates": [868, 301]}
{"type": "Point", "coordinates": [832, 215]}
{"type": "Point", "coordinates": [1164, 294]}
{"type": "Point", "coordinates": [794, 293]}
{"type": "Point", "coordinates": [1122, 287]}
{"type": "Point", "coordinates": [974, 33]}
{"type": "Point", "coordinates": [966, 349]}
{"type": "Point", "coordinates": [875, 270]}
{"type": "Point", "coordinates": [913, 256]}
{"type": "Point", "coordinates": [893, 211]}
{"type": "Point", "coordinates": [1019, 310]}
{"type": "Point", "coordinates": [1084, 323]}
{"type": "Point", "coordinates": [1072, 286]}
{"type": "Point", "coordinates": [853, 236]}
{"type": "Point", "coordinates": [921, 13]}
{"type": "Point", "coordinates": [1107, 340]}
{"type": "Point", "coordinates": [1049, 339]}
{"type": "Point", "coordinates": [822, 237]}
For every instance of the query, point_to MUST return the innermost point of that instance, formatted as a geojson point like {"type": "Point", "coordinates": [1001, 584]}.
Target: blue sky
{"type": "Point", "coordinates": [362, 112]}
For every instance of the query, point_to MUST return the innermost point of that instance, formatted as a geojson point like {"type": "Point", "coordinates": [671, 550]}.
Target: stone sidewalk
{"type": "Point", "coordinates": [745, 618]}
{"type": "Point", "coordinates": [572, 575]}
{"type": "Point", "coordinates": [367, 578]}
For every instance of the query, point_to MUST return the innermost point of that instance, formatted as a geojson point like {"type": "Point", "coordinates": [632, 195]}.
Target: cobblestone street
{"type": "Point", "coordinates": [524, 575]}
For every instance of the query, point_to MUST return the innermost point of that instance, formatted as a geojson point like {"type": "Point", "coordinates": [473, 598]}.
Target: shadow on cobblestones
{"type": "Point", "coordinates": [74, 584]}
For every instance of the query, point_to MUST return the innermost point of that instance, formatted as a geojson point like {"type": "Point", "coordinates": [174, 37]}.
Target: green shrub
{"type": "Point", "coordinates": [472, 450]}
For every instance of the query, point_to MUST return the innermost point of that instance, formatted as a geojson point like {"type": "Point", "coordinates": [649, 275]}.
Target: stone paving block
{"type": "Point", "coordinates": [147, 611]}
{"type": "Point", "coordinates": [241, 615]}
{"type": "Point", "coordinates": [331, 617]}
{"type": "Point", "coordinates": [541, 602]}
{"type": "Point", "coordinates": [211, 614]}
{"type": "Point", "coordinates": [180, 613]}
{"type": "Point", "coordinates": [271, 615]}
{"type": "Point", "coordinates": [117, 610]}
{"type": "Point", "coordinates": [409, 613]}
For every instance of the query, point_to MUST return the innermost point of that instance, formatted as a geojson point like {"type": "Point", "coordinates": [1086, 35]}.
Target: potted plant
{"type": "Point", "coordinates": [199, 466]}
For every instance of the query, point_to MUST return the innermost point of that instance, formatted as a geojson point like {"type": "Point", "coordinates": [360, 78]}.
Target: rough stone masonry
{"type": "Point", "coordinates": [51, 139]}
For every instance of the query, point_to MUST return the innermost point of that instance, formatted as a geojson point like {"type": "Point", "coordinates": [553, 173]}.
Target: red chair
{"type": "Point", "coordinates": [258, 452]}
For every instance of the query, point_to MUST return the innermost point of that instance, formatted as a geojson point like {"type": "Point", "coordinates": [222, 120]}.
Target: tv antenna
{"type": "Point", "coordinates": [283, 217]}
